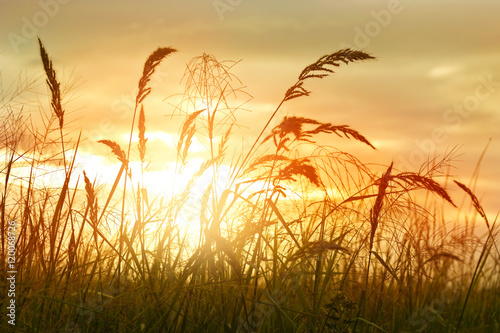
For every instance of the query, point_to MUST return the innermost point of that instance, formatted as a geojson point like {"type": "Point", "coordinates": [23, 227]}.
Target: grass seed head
{"type": "Point", "coordinates": [53, 84]}
{"type": "Point", "coordinates": [149, 68]}
{"type": "Point", "coordinates": [116, 149]}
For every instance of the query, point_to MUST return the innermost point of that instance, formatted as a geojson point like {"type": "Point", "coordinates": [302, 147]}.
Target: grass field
{"type": "Point", "coordinates": [290, 234]}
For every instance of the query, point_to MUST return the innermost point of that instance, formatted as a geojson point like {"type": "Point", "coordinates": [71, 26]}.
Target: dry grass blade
{"type": "Point", "coordinates": [443, 255]}
{"type": "Point", "coordinates": [53, 84]}
{"type": "Point", "coordinates": [475, 202]}
{"type": "Point", "coordinates": [382, 261]}
{"type": "Point", "coordinates": [317, 247]}
{"type": "Point", "coordinates": [59, 206]}
{"type": "Point", "coordinates": [116, 149]}
{"type": "Point", "coordinates": [226, 246]}
{"type": "Point", "coordinates": [149, 68]}
{"type": "Point", "coordinates": [283, 222]}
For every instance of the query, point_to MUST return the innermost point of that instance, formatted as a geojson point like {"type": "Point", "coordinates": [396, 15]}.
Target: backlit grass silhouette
{"type": "Point", "coordinates": [294, 235]}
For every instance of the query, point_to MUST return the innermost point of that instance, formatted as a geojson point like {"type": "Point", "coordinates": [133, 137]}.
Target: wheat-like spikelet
{"type": "Point", "coordinates": [339, 130]}
{"type": "Point", "coordinates": [89, 189]}
{"type": "Point", "coordinates": [291, 125]}
{"type": "Point", "coordinates": [419, 181]}
{"type": "Point", "coordinates": [294, 167]}
{"type": "Point", "coordinates": [300, 167]}
{"type": "Point", "coordinates": [224, 140]}
{"type": "Point", "coordinates": [475, 202]}
{"type": "Point", "coordinates": [187, 133]}
{"type": "Point", "coordinates": [91, 199]}
{"type": "Point", "coordinates": [189, 122]}
{"type": "Point", "coordinates": [320, 69]}
{"type": "Point", "coordinates": [53, 84]}
{"type": "Point", "coordinates": [149, 68]}
{"type": "Point", "coordinates": [142, 131]}
{"type": "Point", "coordinates": [404, 180]}
{"type": "Point", "coordinates": [294, 125]}
{"type": "Point", "coordinates": [205, 165]}
{"type": "Point", "coordinates": [187, 142]}
{"type": "Point", "coordinates": [116, 149]}
{"type": "Point", "coordinates": [272, 158]}
{"type": "Point", "coordinates": [377, 207]}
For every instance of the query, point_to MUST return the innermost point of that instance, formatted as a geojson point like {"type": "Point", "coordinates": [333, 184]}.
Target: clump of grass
{"type": "Point", "coordinates": [285, 243]}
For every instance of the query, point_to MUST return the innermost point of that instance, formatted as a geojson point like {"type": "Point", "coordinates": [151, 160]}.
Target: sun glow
{"type": "Point", "coordinates": [165, 183]}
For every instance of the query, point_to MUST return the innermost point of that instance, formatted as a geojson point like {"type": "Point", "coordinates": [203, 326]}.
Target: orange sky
{"type": "Point", "coordinates": [435, 85]}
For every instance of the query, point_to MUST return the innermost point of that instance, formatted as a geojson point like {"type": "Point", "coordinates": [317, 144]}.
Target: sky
{"type": "Point", "coordinates": [434, 87]}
